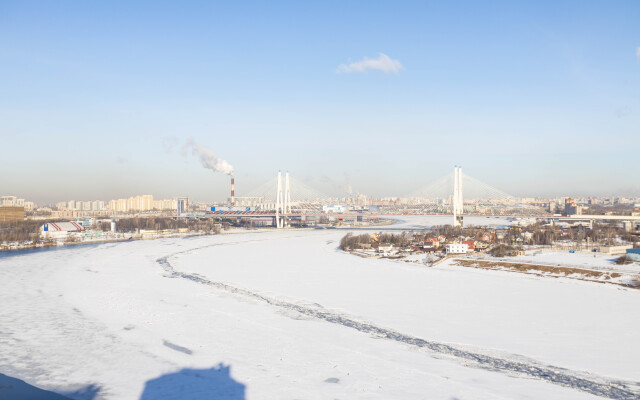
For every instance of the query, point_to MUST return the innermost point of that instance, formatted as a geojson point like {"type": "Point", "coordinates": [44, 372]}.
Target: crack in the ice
{"type": "Point", "coordinates": [598, 386]}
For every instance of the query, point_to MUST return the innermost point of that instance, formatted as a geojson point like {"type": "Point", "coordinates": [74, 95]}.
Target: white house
{"type": "Point", "coordinates": [457, 248]}
{"type": "Point", "coordinates": [386, 249]}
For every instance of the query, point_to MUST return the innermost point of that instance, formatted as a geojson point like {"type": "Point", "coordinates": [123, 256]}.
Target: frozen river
{"type": "Point", "coordinates": [286, 315]}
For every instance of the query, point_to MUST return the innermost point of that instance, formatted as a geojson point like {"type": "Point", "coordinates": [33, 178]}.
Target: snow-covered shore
{"type": "Point", "coordinates": [187, 317]}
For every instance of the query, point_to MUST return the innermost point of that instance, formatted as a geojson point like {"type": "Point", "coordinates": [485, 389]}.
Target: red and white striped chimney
{"type": "Point", "coordinates": [233, 191]}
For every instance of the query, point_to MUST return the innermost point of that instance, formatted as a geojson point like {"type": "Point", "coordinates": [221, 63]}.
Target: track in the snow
{"type": "Point", "coordinates": [598, 386]}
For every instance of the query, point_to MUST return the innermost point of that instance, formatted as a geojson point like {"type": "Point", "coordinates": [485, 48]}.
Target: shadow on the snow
{"type": "Point", "coordinates": [215, 383]}
{"type": "Point", "coordinates": [12, 388]}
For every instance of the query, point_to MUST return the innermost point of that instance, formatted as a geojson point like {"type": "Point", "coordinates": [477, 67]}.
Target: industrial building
{"type": "Point", "coordinates": [60, 230]}
{"type": "Point", "coordinates": [11, 214]}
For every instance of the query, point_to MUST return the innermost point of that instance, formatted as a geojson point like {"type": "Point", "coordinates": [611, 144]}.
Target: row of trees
{"type": "Point", "coordinates": [133, 225]}
{"type": "Point", "coordinates": [28, 230]}
{"type": "Point", "coordinates": [20, 231]}
{"type": "Point", "coordinates": [617, 209]}
{"type": "Point", "coordinates": [351, 241]}
{"type": "Point", "coordinates": [536, 234]}
{"type": "Point", "coordinates": [541, 234]}
{"type": "Point", "coordinates": [503, 250]}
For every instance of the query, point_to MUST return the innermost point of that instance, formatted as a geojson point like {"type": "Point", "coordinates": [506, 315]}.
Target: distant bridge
{"type": "Point", "coordinates": [289, 199]}
{"type": "Point", "coordinates": [587, 217]}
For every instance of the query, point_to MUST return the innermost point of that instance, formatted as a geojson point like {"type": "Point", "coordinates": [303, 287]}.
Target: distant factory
{"type": "Point", "coordinates": [11, 214]}
{"type": "Point", "coordinates": [13, 209]}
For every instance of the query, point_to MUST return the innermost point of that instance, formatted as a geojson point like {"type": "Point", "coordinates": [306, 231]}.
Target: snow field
{"type": "Point", "coordinates": [109, 316]}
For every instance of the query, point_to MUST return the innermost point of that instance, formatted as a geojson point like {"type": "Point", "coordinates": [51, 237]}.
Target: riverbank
{"type": "Point", "coordinates": [124, 237]}
{"type": "Point", "coordinates": [62, 243]}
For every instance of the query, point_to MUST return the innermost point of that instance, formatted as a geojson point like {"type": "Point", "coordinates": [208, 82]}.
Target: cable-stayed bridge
{"type": "Point", "coordinates": [287, 199]}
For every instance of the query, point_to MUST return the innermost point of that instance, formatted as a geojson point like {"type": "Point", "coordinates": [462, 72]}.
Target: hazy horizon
{"type": "Point", "coordinates": [99, 100]}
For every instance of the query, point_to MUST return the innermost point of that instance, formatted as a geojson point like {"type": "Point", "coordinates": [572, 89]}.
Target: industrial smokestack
{"type": "Point", "coordinates": [233, 191]}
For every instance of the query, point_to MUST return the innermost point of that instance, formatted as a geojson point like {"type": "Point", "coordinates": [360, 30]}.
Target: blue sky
{"type": "Point", "coordinates": [96, 99]}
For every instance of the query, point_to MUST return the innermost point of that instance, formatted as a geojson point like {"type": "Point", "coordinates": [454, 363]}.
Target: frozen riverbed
{"type": "Point", "coordinates": [287, 315]}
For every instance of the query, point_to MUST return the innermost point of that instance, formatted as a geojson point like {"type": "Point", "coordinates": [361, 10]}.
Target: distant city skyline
{"type": "Point", "coordinates": [99, 100]}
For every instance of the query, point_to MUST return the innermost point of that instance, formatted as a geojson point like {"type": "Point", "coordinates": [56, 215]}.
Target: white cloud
{"type": "Point", "coordinates": [638, 53]}
{"type": "Point", "coordinates": [382, 63]}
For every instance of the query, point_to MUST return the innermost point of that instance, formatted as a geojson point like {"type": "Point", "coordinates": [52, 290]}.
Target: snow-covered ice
{"type": "Point", "coordinates": [260, 316]}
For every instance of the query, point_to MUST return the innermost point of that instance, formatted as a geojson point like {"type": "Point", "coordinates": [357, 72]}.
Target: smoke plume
{"type": "Point", "coordinates": [208, 159]}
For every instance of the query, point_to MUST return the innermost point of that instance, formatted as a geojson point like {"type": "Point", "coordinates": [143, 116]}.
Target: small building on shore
{"type": "Point", "coordinates": [615, 250]}
{"type": "Point", "coordinates": [457, 248]}
{"type": "Point", "coordinates": [386, 249]}
{"type": "Point", "coordinates": [634, 254]}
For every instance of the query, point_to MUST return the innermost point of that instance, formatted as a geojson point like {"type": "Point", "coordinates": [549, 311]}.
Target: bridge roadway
{"type": "Point", "coordinates": [587, 217]}
{"type": "Point", "coordinates": [341, 215]}
{"type": "Point", "coordinates": [268, 214]}
{"type": "Point", "coordinates": [294, 215]}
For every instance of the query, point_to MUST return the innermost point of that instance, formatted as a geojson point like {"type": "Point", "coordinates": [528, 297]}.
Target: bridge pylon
{"type": "Point", "coordinates": [458, 203]}
{"type": "Point", "coordinates": [279, 209]}
{"type": "Point", "coordinates": [283, 201]}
